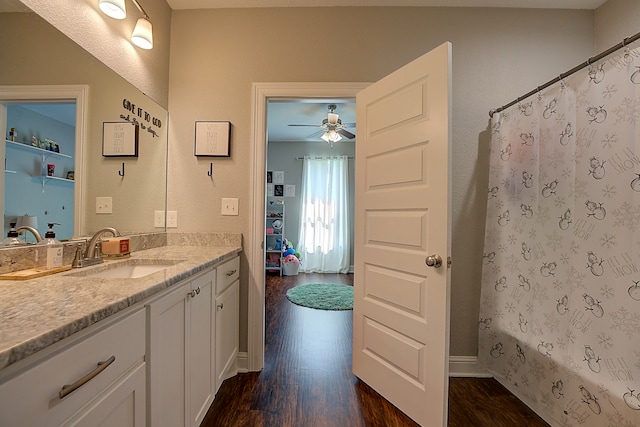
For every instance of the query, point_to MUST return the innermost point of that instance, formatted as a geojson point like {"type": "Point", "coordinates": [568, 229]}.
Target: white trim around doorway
{"type": "Point", "coordinates": [261, 94]}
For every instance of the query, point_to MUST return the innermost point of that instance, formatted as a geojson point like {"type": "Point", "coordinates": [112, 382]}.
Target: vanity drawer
{"type": "Point", "coordinates": [32, 398]}
{"type": "Point", "coordinates": [227, 273]}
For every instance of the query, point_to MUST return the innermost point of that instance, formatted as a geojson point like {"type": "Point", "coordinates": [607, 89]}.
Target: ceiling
{"type": "Point", "coordinates": [534, 4]}
{"type": "Point", "coordinates": [280, 114]}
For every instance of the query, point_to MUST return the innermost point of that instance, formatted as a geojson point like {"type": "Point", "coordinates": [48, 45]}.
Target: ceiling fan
{"type": "Point", "coordinates": [332, 128]}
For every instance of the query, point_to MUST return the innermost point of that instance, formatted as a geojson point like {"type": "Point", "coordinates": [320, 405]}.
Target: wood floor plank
{"type": "Point", "coordinates": [307, 379]}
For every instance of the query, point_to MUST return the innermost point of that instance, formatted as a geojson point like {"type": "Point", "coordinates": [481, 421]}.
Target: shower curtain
{"type": "Point", "coordinates": [560, 307]}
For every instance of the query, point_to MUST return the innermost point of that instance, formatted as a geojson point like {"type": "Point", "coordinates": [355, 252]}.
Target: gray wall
{"type": "Point", "coordinates": [498, 54]}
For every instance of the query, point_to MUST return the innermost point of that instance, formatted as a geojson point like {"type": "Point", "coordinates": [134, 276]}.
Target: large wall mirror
{"type": "Point", "coordinates": [106, 139]}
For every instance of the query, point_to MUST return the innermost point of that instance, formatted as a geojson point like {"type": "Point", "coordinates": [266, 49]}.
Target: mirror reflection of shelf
{"type": "Point", "coordinates": [274, 237]}
{"type": "Point", "coordinates": [46, 178]}
{"type": "Point", "coordinates": [45, 153]}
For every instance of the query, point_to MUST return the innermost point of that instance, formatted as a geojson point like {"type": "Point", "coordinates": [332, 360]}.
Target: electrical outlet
{"type": "Point", "coordinates": [229, 207]}
{"type": "Point", "coordinates": [172, 219]}
{"type": "Point", "coordinates": [158, 219]}
{"type": "Point", "coordinates": [104, 205]}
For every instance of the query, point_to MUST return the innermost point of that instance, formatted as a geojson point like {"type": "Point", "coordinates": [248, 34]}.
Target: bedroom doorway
{"type": "Point", "coordinates": [262, 94]}
{"type": "Point", "coordinates": [313, 178]}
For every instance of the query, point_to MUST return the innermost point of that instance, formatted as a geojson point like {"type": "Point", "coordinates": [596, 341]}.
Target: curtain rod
{"type": "Point", "coordinates": [575, 69]}
{"type": "Point", "coordinates": [323, 157]}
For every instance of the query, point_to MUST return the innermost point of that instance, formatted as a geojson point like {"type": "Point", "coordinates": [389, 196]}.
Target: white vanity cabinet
{"type": "Point", "coordinates": [227, 319]}
{"type": "Point", "coordinates": [181, 353]}
{"type": "Point", "coordinates": [95, 377]}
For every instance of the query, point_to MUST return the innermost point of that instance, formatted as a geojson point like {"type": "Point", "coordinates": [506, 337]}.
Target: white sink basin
{"type": "Point", "coordinates": [131, 269]}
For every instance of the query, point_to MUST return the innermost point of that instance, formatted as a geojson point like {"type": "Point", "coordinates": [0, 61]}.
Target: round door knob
{"type": "Point", "coordinates": [433, 261]}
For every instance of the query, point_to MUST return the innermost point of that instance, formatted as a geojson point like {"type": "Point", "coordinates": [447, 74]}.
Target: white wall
{"type": "Point", "coordinates": [498, 54]}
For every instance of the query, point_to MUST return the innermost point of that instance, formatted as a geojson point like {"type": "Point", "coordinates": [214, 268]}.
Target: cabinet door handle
{"type": "Point", "coordinates": [70, 388]}
{"type": "Point", "coordinates": [220, 306]}
{"type": "Point", "coordinates": [194, 292]}
{"type": "Point", "coordinates": [232, 272]}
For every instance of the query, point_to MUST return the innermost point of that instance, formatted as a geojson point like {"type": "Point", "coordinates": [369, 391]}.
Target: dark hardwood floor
{"type": "Point", "coordinates": [307, 379]}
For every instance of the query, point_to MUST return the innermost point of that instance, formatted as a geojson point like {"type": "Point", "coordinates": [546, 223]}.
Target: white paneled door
{"type": "Point", "coordinates": [402, 237]}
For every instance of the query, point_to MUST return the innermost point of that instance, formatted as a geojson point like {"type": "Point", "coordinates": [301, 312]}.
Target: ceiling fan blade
{"type": "Point", "coordinates": [315, 135]}
{"type": "Point", "coordinates": [346, 133]}
{"type": "Point", "coordinates": [314, 126]}
{"type": "Point", "coordinates": [349, 125]}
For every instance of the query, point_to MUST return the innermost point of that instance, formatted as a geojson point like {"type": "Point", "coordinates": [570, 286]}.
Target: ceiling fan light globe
{"type": "Point", "coordinates": [331, 137]}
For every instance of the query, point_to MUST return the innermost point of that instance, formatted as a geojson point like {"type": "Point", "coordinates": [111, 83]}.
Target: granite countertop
{"type": "Point", "coordinates": [39, 312]}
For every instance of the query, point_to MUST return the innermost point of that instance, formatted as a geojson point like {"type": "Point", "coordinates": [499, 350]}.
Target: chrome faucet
{"type": "Point", "coordinates": [92, 255]}
{"type": "Point", "coordinates": [93, 243]}
{"type": "Point", "coordinates": [33, 231]}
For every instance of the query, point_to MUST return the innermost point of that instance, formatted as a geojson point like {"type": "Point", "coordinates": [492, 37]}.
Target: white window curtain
{"type": "Point", "coordinates": [324, 224]}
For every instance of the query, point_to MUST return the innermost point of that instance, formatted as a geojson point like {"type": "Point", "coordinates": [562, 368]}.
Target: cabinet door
{"type": "Point", "coordinates": [227, 327]}
{"type": "Point", "coordinates": [168, 326]}
{"type": "Point", "coordinates": [201, 345]}
{"type": "Point", "coordinates": [122, 405]}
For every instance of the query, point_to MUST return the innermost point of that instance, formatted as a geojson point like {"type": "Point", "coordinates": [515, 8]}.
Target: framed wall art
{"type": "Point", "coordinates": [119, 139]}
{"type": "Point", "coordinates": [212, 139]}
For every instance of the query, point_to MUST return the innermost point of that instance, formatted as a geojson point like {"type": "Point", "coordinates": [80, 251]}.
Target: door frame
{"type": "Point", "coordinates": [261, 94]}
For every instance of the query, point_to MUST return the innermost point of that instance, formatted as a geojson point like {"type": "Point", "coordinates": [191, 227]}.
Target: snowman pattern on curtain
{"type": "Point", "coordinates": [560, 308]}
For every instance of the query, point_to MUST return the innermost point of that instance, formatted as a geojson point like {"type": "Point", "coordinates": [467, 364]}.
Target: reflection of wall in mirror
{"type": "Point", "coordinates": [59, 61]}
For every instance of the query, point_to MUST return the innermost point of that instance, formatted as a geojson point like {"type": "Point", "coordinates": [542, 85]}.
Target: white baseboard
{"type": "Point", "coordinates": [459, 366]}
{"type": "Point", "coordinates": [466, 366]}
{"type": "Point", "coordinates": [242, 362]}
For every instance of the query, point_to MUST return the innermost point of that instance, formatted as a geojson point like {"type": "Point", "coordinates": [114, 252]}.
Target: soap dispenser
{"type": "Point", "coordinates": [54, 248]}
{"type": "Point", "coordinates": [12, 236]}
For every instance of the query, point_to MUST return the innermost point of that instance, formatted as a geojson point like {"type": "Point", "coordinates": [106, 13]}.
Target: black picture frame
{"type": "Point", "coordinates": [120, 139]}
{"type": "Point", "coordinates": [212, 139]}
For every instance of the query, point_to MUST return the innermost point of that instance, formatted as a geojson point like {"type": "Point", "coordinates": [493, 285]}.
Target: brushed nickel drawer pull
{"type": "Point", "coordinates": [220, 306]}
{"type": "Point", "coordinates": [232, 272]}
{"type": "Point", "coordinates": [70, 388]}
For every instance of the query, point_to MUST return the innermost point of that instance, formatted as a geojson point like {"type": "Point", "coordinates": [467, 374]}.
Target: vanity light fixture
{"type": "Point", "coordinates": [142, 35]}
{"type": "Point", "coordinates": [116, 9]}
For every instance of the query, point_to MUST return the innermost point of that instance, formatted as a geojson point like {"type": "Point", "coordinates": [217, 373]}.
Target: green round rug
{"type": "Point", "coordinates": [322, 296]}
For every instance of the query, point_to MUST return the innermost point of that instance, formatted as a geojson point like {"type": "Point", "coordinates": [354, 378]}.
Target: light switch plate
{"type": "Point", "coordinates": [229, 206]}
{"type": "Point", "coordinates": [172, 219]}
{"type": "Point", "coordinates": [104, 205]}
{"type": "Point", "coordinates": [158, 219]}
